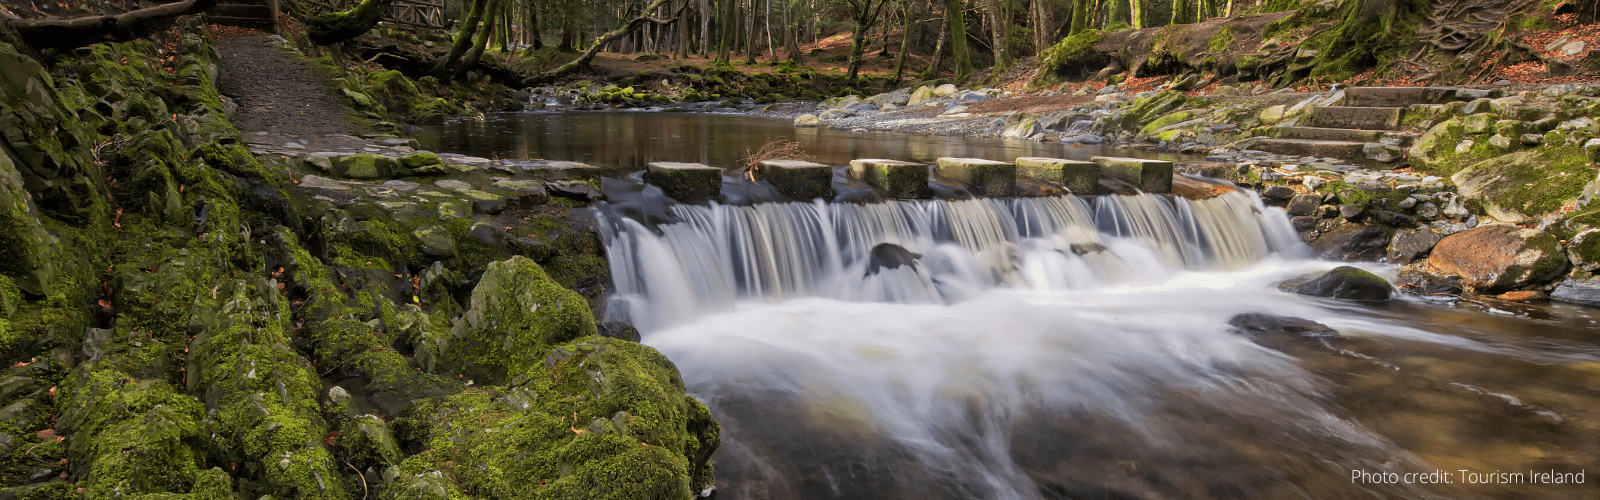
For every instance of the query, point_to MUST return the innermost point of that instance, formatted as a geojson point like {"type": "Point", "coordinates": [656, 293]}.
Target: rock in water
{"type": "Point", "coordinates": [1586, 292]}
{"type": "Point", "coordinates": [890, 256]}
{"type": "Point", "coordinates": [1353, 242]}
{"type": "Point", "coordinates": [1343, 282]}
{"type": "Point", "coordinates": [1496, 258]}
{"type": "Point", "coordinates": [1282, 332]}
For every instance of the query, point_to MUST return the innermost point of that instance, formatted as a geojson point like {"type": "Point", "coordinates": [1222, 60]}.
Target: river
{"type": "Point", "coordinates": [1059, 347]}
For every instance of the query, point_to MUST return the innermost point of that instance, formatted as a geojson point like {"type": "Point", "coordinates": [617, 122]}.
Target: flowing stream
{"type": "Point", "coordinates": [1058, 348]}
{"type": "Point", "coordinates": [1081, 348]}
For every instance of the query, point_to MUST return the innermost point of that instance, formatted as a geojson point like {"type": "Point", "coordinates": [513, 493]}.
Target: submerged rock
{"type": "Point", "coordinates": [1282, 332]}
{"type": "Point", "coordinates": [1343, 282]}
{"type": "Point", "coordinates": [1585, 291]}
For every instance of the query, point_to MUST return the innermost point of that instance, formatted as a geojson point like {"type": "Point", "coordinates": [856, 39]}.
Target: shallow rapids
{"type": "Point", "coordinates": [1040, 348]}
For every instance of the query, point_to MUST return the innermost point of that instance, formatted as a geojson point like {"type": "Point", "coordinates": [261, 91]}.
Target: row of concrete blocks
{"type": "Point", "coordinates": [902, 179]}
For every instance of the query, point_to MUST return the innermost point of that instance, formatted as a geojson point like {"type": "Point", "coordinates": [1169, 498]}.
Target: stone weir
{"type": "Point", "coordinates": [875, 179]}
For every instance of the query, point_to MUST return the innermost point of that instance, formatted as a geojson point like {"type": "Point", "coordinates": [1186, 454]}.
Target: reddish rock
{"type": "Point", "coordinates": [1500, 257]}
{"type": "Point", "coordinates": [1523, 296]}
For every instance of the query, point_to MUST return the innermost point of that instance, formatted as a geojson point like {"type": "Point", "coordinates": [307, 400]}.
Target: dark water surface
{"type": "Point", "coordinates": [632, 139]}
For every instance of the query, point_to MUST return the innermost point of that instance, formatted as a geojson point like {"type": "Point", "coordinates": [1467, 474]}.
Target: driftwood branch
{"type": "Point", "coordinates": [588, 55]}
{"type": "Point", "coordinates": [78, 32]}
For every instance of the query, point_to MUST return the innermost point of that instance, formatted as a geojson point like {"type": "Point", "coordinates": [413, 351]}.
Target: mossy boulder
{"type": "Point", "coordinates": [1584, 250]}
{"type": "Point", "coordinates": [598, 418]}
{"type": "Point", "coordinates": [1074, 57]}
{"type": "Point", "coordinates": [261, 394]}
{"type": "Point", "coordinates": [1526, 183]}
{"type": "Point", "coordinates": [133, 436]}
{"type": "Point", "coordinates": [364, 166]}
{"type": "Point", "coordinates": [1144, 110]}
{"type": "Point", "coordinates": [515, 315]}
{"type": "Point", "coordinates": [367, 442]}
{"type": "Point", "coordinates": [25, 246]}
{"type": "Point", "coordinates": [1496, 258]}
{"type": "Point", "coordinates": [1343, 282]}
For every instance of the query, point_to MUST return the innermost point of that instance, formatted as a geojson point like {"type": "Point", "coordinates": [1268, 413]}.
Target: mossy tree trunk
{"type": "Point", "coordinates": [905, 39]}
{"type": "Point", "coordinates": [485, 38]}
{"type": "Point", "coordinates": [464, 37]}
{"type": "Point", "coordinates": [1136, 13]}
{"type": "Point", "coordinates": [1180, 12]}
{"type": "Point", "coordinates": [1080, 17]}
{"type": "Point", "coordinates": [335, 27]}
{"type": "Point", "coordinates": [958, 38]}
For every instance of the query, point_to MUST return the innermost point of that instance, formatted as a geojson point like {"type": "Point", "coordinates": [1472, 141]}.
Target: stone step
{"type": "Point", "coordinates": [685, 181]}
{"type": "Point", "coordinates": [1152, 176]}
{"type": "Point", "coordinates": [1080, 177]}
{"type": "Point", "coordinates": [242, 22]}
{"type": "Point", "coordinates": [1369, 118]}
{"type": "Point", "coordinates": [898, 179]}
{"type": "Point", "coordinates": [1405, 96]}
{"type": "Point", "coordinates": [1350, 150]}
{"type": "Point", "coordinates": [801, 180]}
{"type": "Point", "coordinates": [240, 11]}
{"type": "Point", "coordinates": [1330, 134]}
{"type": "Point", "coordinates": [987, 177]}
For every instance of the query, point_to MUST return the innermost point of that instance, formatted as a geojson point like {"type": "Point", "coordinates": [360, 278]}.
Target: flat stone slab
{"type": "Point", "coordinates": [898, 179]}
{"type": "Point", "coordinates": [1080, 177]}
{"type": "Point", "coordinates": [987, 177]}
{"type": "Point", "coordinates": [685, 181]}
{"type": "Point", "coordinates": [1152, 176]}
{"type": "Point", "coordinates": [1369, 118]}
{"type": "Point", "coordinates": [1398, 96]}
{"type": "Point", "coordinates": [801, 180]}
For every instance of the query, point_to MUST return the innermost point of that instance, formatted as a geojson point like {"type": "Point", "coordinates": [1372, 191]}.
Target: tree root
{"type": "Point", "coordinates": [78, 32]}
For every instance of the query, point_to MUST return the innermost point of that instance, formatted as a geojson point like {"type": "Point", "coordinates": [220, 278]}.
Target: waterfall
{"type": "Point", "coordinates": [718, 254]}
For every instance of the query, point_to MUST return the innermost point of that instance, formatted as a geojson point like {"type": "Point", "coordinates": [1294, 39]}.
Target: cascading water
{"type": "Point", "coordinates": [995, 348]}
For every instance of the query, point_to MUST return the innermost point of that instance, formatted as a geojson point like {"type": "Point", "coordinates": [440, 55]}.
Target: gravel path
{"type": "Point", "coordinates": [277, 92]}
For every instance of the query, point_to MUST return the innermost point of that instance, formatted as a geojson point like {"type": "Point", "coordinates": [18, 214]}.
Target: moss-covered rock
{"type": "Point", "coordinates": [1527, 183]}
{"type": "Point", "coordinates": [367, 442]}
{"type": "Point", "coordinates": [25, 245]}
{"type": "Point", "coordinates": [515, 315]}
{"type": "Point", "coordinates": [1343, 282]}
{"type": "Point", "coordinates": [132, 436]}
{"type": "Point", "coordinates": [261, 395]}
{"type": "Point", "coordinates": [1073, 57]}
{"type": "Point", "coordinates": [1584, 250]}
{"type": "Point", "coordinates": [598, 418]}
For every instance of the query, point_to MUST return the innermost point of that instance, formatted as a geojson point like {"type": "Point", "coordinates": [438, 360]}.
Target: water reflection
{"type": "Point", "coordinates": [633, 139]}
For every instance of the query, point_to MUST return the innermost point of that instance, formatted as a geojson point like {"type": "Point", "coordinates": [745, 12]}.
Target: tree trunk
{"type": "Point", "coordinates": [751, 34]}
{"type": "Point", "coordinates": [791, 30]}
{"type": "Point", "coordinates": [1136, 13]}
{"type": "Point", "coordinates": [932, 72]}
{"type": "Point", "coordinates": [469, 28]}
{"type": "Point", "coordinates": [905, 39]}
{"type": "Point", "coordinates": [608, 37]}
{"type": "Point", "coordinates": [78, 32]}
{"type": "Point", "coordinates": [1119, 14]}
{"type": "Point", "coordinates": [484, 39]}
{"type": "Point", "coordinates": [705, 28]}
{"type": "Point", "coordinates": [1180, 12]}
{"type": "Point", "coordinates": [1080, 17]}
{"type": "Point", "coordinates": [958, 39]}
{"type": "Point", "coordinates": [683, 31]}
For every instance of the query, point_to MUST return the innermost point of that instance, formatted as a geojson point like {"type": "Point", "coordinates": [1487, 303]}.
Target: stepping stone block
{"type": "Point", "coordinates": [987, 177]}
{"type": "Point", "coordinates": [1080, 177]}
{"type": "Point", "coordinates": [801, 180]}
{"type": "Point", "coordinates": [686, 181]}
{"type": "Point", "coordinates": [898, 179]}
{"type": "Point", "coordinates": [1152, 176]}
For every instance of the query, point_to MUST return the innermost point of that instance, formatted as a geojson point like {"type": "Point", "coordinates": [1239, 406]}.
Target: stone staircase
{"type": "Point", "coordinates": [255, 14]}
{"type": "Point", "coordinates": [1367, 129]}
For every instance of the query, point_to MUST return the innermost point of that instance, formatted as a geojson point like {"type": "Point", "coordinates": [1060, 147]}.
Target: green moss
{"type": "Point", "coordinates": [1069, 58]}
{"type": "Point", "coordinates": [516, 313]}
{"type": "Point", "coordinates": [136, 436]}
{"type": "Point", "coordinates": [1531, 182]}
{"type": "Point", "coordinates": [598, 418]}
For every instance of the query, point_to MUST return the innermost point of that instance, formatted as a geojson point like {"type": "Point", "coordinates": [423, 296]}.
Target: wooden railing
{"type": "Point", "coordinates": [417, 13]}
